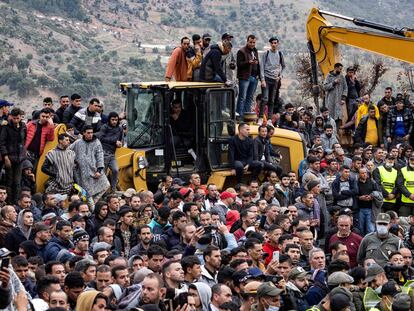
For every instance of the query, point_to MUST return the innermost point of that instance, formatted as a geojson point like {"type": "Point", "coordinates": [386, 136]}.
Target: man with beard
{"type": "Point", "coordinates": [297, 286]}
{"type": "Point", "coordinates": [248, 219]}
{"type": "Point", "coordinates": [125, 231]}
{"type": "Point", "coordinates": [90, 164]}
{"type": "Point", "coordinates": [61, 240]}
{"type": "Point", "coordinates": [144, 236]}
{"type": "Point", "coordinates": [111, 136]}
{"type": "Point", "coordinates": [336, 91]}
{"type": "Point", "coordinates": [262, 151]}
{"type": "Point", "coordinates": [173, 274]}
{"type": "Point", "coordinates": [172, 236]}
{"type": "Point", "coordinates": [153, 291]}
{"type": "Point", "coordinates": [328, 138]}
{"type": "Point", "coordinates": [177, 63]}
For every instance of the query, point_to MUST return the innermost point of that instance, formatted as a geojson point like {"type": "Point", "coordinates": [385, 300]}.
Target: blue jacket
{"type": "Point", "coordinates": [171, 238]}
{"type": "Point", "coordinates": [54, 246]}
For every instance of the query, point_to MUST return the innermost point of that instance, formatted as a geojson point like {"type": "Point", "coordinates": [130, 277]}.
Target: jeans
{"type": "Point", "coordinates": [365, 221]}
{"type": "Point", "coordinates": [247, 88]}
{"type": "Point", "coordinates": [110, 161]}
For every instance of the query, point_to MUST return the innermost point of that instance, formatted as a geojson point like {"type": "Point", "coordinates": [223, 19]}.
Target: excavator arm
{"type": "Point", "coordinates": [323, 39]}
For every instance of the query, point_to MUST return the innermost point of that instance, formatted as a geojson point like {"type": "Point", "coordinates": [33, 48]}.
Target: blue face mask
{"type": "Point", "coordinates": [272, 308]}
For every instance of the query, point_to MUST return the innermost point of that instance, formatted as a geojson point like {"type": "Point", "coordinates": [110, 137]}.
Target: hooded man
{"type": "Point", "coordinates": [212, 67]}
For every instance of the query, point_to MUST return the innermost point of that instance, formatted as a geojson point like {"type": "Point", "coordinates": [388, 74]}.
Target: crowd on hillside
{"type": "Point", "coordinates": [337, 235]}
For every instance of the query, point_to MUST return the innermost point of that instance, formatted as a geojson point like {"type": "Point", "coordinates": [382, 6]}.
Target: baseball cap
{"type": "Point", "coordinates": [383, 218]}
{"type": "Point", "coordinates": [206, 36]}
{"type": "Point", "coordinates": [339, 277]}
{"type": "Point", "coordinates": [372, 271]}
{"type": "Point", "coordinates": [226, 35]}
{"type": "Point", "coordinates": [255, 272]}
{"type": "Point", "coordinates": [101, 246]}
{"type": "Point", "coordinates": [297, 273]}
{"type": "Point", "coordinates": [225, 195]}
{"type": "Point", "coordinates": [339, 300]}
{"type": "Point", "coordinates": [268, 289]}
{"type": "Point", "coordinates": [5, 103]}
{"type": "Point", "coordinates": [241, 277]}
{"type": "Point", "coordinates": [391, 288]}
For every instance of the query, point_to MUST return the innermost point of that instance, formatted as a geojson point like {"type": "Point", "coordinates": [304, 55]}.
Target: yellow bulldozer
{"type": "Point", "coordinates": [151, 152]}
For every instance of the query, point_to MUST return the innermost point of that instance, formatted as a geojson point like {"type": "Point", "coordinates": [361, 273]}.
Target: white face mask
{"type": "Point", "coordinates": [382, 229]}
{"type": "Point", "coordinates": [272, 308]}
{"type": "Point", "coordinates": [411, 165]}
{"type": "Point", "coordinates": [387, 165]}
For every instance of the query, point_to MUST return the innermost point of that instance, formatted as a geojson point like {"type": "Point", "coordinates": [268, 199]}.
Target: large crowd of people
{"type": "Point", "coordinates": [337, 235]}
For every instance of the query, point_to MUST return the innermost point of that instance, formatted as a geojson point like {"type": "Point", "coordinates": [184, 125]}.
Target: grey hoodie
{"type": "Point", "coordinates": [204, 291]}
{"type": "Point", "coordinates": [21, 226]}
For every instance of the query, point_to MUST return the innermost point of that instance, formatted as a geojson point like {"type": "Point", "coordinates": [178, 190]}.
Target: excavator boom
{"type": "Point", "coordinates": [323, 39]}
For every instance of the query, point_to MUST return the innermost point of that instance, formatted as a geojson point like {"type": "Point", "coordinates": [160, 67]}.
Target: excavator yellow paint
{"type": "Point", "coordinates": [325, 39]}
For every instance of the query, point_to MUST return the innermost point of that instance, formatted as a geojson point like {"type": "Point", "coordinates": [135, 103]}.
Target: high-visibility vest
{"type": "Point", "coordinates": [388, 180]}
{"type": "Point", "coordinates": [314, 308]}
{"type": "Point", "coordinates": [408, 183]}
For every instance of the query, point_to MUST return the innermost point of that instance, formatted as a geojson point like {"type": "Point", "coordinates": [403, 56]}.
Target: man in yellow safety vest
{"type": "Point", "coordinates": [386, 177]}
{"type": "Point", "coordinates": [405, 183]}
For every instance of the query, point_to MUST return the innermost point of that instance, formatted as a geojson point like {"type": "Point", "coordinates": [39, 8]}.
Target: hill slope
{"type": "Point", "coordinates": [54, 47]}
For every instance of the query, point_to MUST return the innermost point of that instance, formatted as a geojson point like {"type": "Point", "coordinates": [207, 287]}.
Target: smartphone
{"type": "Point", "coordinates": [275, 255]}
{"type": "Point", "coordinates": [5, 263]}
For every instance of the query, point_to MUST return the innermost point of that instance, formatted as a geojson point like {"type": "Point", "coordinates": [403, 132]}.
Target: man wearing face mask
{"type": "Point", "coordinates": [268, 297]}
{"type": "Point", "coordinates": [386, 178]}
{"type": "Point", "coordinates": [405, 183]}
{"type": "Point", "coordinates": [388, 292]}
{"type": "Point", "coordinates": [379, 244]}
{"type": "Point", "coordinates": [375, 278]}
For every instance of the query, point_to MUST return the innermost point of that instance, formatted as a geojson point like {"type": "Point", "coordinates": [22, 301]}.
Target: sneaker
{"type": "Point", "coordinates": [260, 121]}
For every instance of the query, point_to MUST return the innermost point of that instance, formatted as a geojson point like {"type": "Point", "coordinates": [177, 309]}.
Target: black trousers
{"type": "Point", "coordinates": [254, 166]}
{"type": "Point", "coordinates": [13, 179]}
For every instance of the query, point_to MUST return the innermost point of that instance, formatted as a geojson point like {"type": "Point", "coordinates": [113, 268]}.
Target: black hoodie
{"type": "Point", "coordinates": [212, 65]}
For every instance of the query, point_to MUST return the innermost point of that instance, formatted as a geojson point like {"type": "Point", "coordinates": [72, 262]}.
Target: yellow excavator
{"type": "Point", "coordinates": [324, 39]}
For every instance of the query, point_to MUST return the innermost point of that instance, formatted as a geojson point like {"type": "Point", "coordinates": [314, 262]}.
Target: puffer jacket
{"type": "Point", "coordinates": [54, 246]}
{"type": "Point", "coordinates": [12, 141]}
{"type": "Point", "coordinates": [46, 135]}
{"type": "Point", "coordinates": [392, 121]}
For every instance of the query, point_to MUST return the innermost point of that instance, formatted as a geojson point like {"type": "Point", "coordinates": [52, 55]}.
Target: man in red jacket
{"type": "Point", "coordinates": [38, 133]}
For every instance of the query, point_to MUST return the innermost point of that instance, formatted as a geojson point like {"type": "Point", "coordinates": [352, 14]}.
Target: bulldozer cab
{"type": "Point", "coordinates": [183, 127]}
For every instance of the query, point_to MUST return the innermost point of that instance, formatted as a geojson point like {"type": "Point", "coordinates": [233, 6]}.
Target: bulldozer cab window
{"type": "Point", "coordinates": [221, 126]}
{"type": "Point", "coordinates": [145, 118]}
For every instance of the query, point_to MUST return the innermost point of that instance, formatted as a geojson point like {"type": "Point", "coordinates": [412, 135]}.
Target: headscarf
{"type": "Point", "coordinates": [85, 300]}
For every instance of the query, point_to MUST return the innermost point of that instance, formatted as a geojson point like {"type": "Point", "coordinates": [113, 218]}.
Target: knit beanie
{"type": "Point", "coordinates": [79, 234]}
